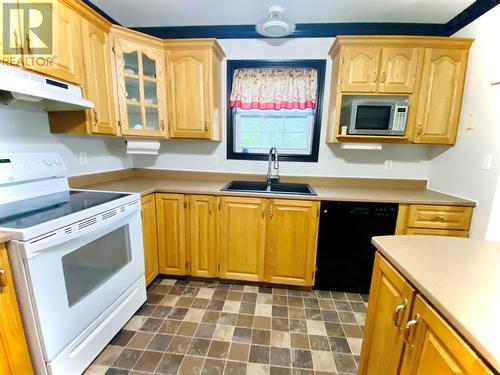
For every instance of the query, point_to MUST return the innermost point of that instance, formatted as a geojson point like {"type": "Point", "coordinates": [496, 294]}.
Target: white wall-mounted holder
{"type": "Point", "coordinates": [361, 146]}
{"type": "Point", "coordinates": [495, 83]}
{"type": "Point", "coordinates": [142, 146]}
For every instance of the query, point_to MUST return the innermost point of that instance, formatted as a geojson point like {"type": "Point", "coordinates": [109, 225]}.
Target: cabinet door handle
{"type": "Point", "coordinates": [396, 313]}
{"type": "Point", "coordinates": [206, 125]}
{"type": "Point", "coordinates": [210, 208]}
{"type": "Point", "coordinates": [408, 330]}
{"type": "Point", "coordinates": [375, 76]}
{"type": "Point", "coordinates": [2, 278]}
{"type": "Point", "coordinates": [383, 77]}
{"type": "Point", "coordinates": [271, 211]}
{"type": "Point", "coordinates": [419, 128]}
{"type": "Point", "coordinates": [263, 211]}
{"type": "Point", "coordinates": [96, 118]}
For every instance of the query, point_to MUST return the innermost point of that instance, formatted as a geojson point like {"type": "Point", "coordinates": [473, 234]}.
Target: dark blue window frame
{"type": "Point", "coordinates": [319, 65]}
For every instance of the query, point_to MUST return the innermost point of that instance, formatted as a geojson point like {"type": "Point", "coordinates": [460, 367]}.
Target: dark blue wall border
{"type": "Point", "coordinates": [319, 30]}
{"type": "Point", "coordinates": [303, 30]}
{"type": "Point", "coordinates": [319, 65]}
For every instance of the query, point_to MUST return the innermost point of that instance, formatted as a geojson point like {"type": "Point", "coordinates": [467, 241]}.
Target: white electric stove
{"type": "Point", "coordinates": [76, 257]}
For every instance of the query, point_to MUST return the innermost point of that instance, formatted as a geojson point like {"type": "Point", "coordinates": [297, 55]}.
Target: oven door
{"type": "Point", "coordinates": [372, 118]}
{"type": "Point", "coordinates": [73, 281]}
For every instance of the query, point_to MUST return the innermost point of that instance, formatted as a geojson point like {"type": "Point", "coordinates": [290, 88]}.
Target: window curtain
{"type": "Point", "coordinates": [274, 89]}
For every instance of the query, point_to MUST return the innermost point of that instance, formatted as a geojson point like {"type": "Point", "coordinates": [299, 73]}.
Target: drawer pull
{"type": "Point", "coordinates": [408, 330]}
{"type": "Point", "coordinates": [2, 278]}
{"type": "Point", "coordinates": [396, 313]}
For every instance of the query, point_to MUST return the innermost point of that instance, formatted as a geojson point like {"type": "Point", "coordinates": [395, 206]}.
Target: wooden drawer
{"type": "Point", "coordinates": [439, 217]}
{"type": "Point", "coordinates": [438, 232]}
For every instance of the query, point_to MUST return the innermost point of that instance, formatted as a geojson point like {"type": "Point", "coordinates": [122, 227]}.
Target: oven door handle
{"type": "Point", "coordinates": [79, 230]}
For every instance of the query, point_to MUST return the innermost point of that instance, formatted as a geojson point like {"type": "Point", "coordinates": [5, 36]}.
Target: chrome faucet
{"type": "Point", "coordinates": [273, 168]}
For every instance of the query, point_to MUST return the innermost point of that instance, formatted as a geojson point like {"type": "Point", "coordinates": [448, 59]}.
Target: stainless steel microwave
{"type": "Point", "coordinates": [371, 115]}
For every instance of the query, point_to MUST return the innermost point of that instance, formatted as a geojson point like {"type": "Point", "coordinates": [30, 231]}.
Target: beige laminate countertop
{"type": "Point", "coordinates": [4, 237]}
{"type": "Point", "coordinates": [146, 185]}
{"type": "Point", "coordinates": [460, 277]}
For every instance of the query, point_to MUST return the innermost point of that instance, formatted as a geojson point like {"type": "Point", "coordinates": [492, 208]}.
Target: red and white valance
{"type": "Point", "coordinates": [272, 88]}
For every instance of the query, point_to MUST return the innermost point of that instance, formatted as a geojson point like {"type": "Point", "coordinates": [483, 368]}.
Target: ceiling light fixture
{"type": "Point", "coordinates": [275, 25]}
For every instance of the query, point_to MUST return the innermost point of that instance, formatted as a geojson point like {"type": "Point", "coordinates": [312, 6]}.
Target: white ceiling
{"type": "Point", "coordinates": [134, 13]}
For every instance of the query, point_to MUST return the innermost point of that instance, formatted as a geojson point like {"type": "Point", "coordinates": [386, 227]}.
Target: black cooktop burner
{"type": "Point", "coordinates": [34, 211]}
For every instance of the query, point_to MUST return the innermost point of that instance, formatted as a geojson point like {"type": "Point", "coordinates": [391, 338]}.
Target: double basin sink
{"type": "Point", "coordinates": [269, 188]}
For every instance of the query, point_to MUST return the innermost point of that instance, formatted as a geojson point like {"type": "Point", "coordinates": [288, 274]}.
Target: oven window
{"type": "Point", "coordinates": [373, 117]}
{"type": "Point", "coordinates": [92, 264]}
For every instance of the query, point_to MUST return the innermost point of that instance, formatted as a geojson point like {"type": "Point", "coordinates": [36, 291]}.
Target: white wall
{"type": "Point", "coordinates": [457, 170]}
{"type": "Point", "coordinates": [27, 130]}
{"type": "Point", "coordinates": [409, 161]}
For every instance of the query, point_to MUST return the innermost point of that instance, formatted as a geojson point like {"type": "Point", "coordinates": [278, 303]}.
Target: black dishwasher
{"type": "Point", "coordinates": [345, 253]}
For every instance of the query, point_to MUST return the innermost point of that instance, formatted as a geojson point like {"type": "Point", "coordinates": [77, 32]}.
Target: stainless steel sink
{"type": "Point", "coordinates": [272, 188]}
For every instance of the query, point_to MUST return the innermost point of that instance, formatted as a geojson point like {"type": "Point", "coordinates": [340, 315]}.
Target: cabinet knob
{"type": "Point", "coordinates": [163, 125]}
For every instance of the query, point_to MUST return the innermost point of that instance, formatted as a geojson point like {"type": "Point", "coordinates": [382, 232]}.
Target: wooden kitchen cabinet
{"type": "Point", "coordinates": [440, 97]}
{"type": "Point", "coordinates": [405, 335]}
{"type": "Point", "coordinates": [141, 83]}
{"type": "Point", "coordinates": [292, 234]}
{"type": "Point", "coordinates": [429, 71]}
{"type": "Point", "coordinates": [67, 46]}
{"type": "Point", "coordinates": [193, 95]}
{"type": "Point", "coordinates": [14, 355]}
{"type": "Point", "coordinates": [242, 238]}
{"type": "Point", "coordinates": [171, 228]}
{"type": "Point", "coordinates": [202, 236]}
{"type": "Point", "coordinates": [433, 347]}
{"type": "Point", "coordinates": [398, 70]}
{"type": "Point", "coordinates": [149, 233]}
{"type": "Point", "coordinates": [360, 66]}
{"type": "Point", "coordinates": [437, 220]}
{"type": "Point", "coordinates": [98, 87]}
{"type": "Point", "coordinates": [391, 298]}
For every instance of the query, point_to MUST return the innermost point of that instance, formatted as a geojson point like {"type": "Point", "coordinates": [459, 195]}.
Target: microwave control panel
{"type": "Point", "coordinates": [399, 122]}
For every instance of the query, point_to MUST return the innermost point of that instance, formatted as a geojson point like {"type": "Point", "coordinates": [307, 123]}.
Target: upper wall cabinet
{"type": "Point", "coordinates": [67, 46]}
{"type": "Point", "coordinates": [440, 95]}
{"type": "Point", "coordinates": [141, 83]}
{"type": "Point", "coordinates": [367, 69]}
{"type": "Point", "coordinates": [193, 94]}
{"type": "Point", "coordinates": [428, 71]}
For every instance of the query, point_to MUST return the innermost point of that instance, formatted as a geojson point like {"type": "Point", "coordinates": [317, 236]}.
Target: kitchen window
{"type": "Point", "coordinates": [274, 104]}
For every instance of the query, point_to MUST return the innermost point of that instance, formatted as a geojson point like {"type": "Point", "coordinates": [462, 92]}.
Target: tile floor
{"type": "Point", "coordinates": [194, 327]}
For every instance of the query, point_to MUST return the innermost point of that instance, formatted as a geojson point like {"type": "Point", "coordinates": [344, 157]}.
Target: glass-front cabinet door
{"type": "Point", "coordinates": [141, 88]}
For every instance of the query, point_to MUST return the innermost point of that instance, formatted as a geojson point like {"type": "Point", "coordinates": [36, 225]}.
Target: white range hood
{"type": "Point", "coordinates": [17, 85]}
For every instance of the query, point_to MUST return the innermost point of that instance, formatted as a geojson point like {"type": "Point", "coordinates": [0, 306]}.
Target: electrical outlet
{"type": "Point", "coordinates": [486, 162]}
{"type": "Point", "coordinates": [388, 165]}
{"type": "Point", "coordinates": [83, 158]}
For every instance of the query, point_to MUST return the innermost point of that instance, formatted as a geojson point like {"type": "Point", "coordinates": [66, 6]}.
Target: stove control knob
{"type": "Point", "coordinates": [48, 162]}
{"type": "Point", "coordinates": [57, 162]}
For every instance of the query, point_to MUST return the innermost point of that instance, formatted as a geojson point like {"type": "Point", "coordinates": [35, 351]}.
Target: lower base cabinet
{"type": "Point", "coordinates": [233, 238]}
{"type": "Point", "coordinates": [149, 234]}
{"type": "Point", "coordinates": [292, 235]}
{"type": "Point", "coordinates": [202, 235]}
{"type": "Point", "coordinates": [14, 355]}
{"type": "Point", "coordinates": [405, 335]}
{"type": "Point", "coordinates": [242, 238]}
{"type": "Point", "coordinates": [171, 227]}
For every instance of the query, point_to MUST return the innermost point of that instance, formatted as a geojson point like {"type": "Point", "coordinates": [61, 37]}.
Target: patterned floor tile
{"type": "Point", "coordinates": [189, 327]}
